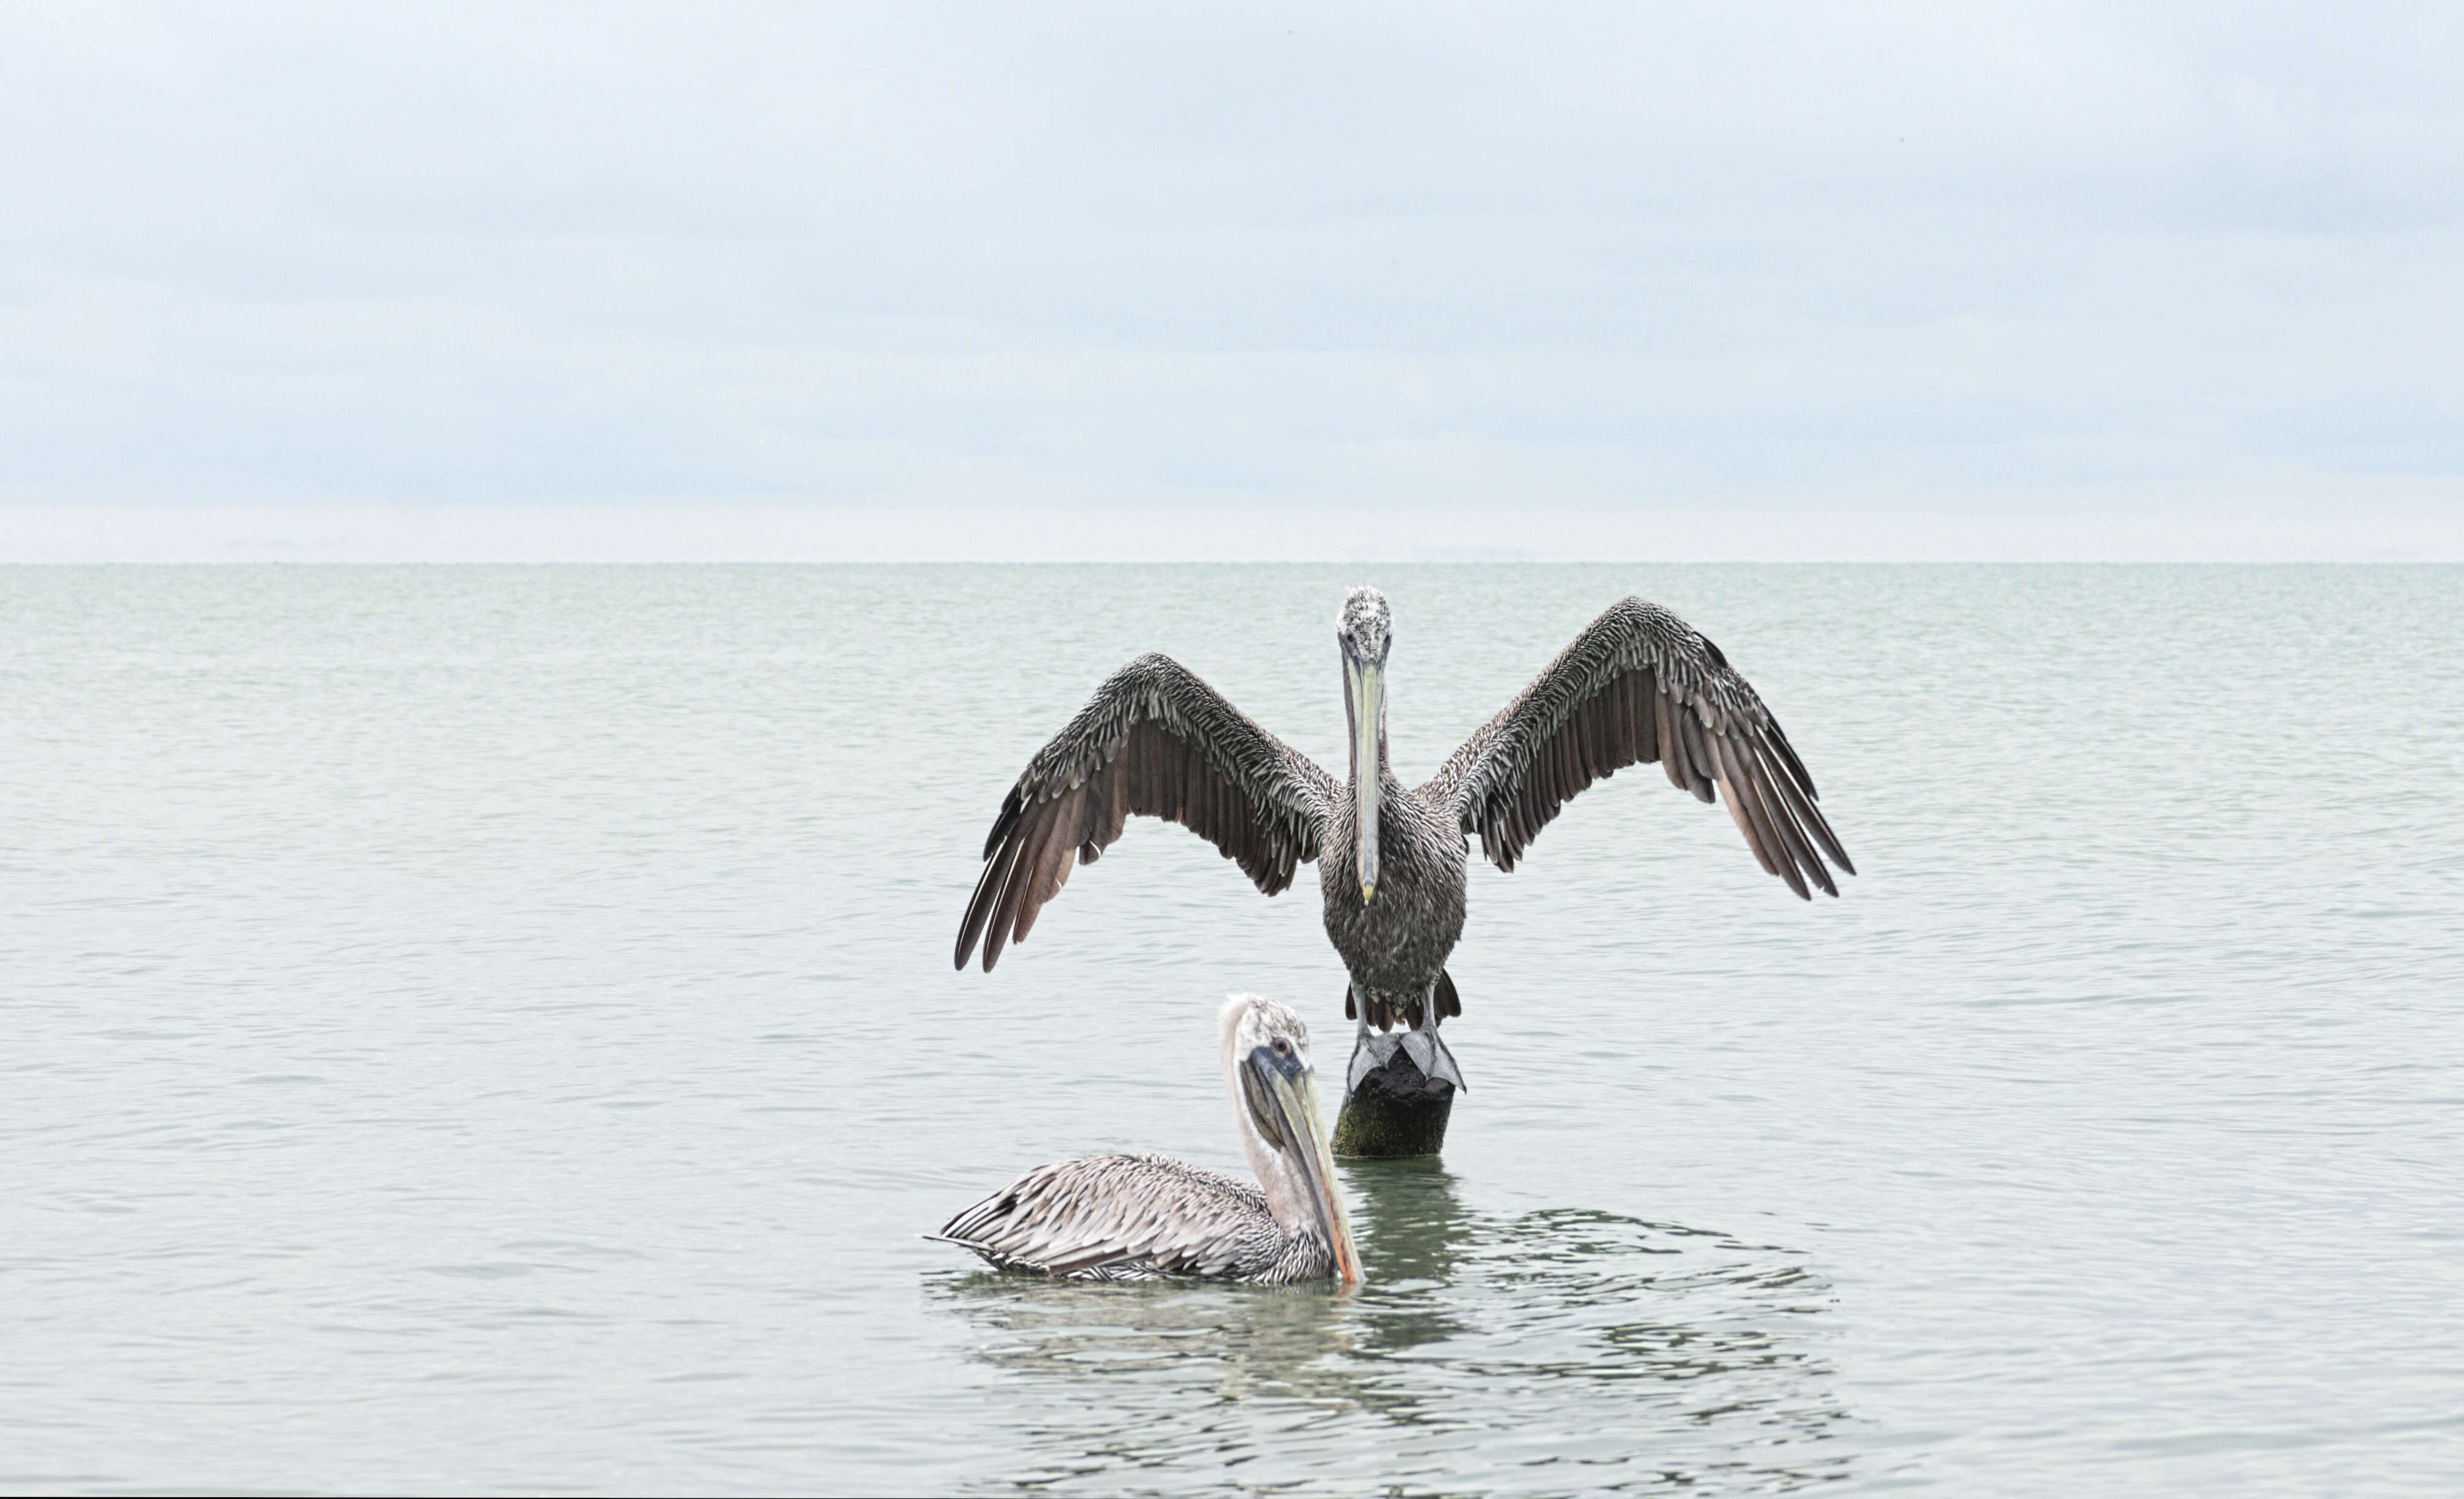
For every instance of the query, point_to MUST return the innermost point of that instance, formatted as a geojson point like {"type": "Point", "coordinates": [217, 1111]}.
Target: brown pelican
{"type": "Point", "coordinates": [1638, 685]}
{"type": "Point", "coordinates": [1148, 1217]}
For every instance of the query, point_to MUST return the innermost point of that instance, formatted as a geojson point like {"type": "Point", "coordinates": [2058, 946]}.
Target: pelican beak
{"type": "Point", "coordinates": [1364, 702]}
{"type": "Point", "coordinates": [1290, 1089]}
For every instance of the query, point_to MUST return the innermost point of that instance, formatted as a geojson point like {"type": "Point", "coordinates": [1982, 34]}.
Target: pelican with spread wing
{"type": "Point", "coordinates": [1638, 686]}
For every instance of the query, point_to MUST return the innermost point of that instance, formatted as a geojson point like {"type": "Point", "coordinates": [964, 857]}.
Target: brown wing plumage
{"type": "Point", "coordinates": [1640, 685]}
{"type": "Point", "coordinates": [1155, 741]}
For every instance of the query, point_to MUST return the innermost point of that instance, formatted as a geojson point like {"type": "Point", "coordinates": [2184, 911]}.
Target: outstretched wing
{"type": "Point", "coordinates": [1157, 741]}
{"type": "Point", "coordinates": [1117, 1217]}
{"type": "Point", "coordinates": [1639, 685]}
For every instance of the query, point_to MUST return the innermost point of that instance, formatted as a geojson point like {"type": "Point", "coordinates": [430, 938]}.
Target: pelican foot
{"type": "Point", "coordinates": [1393, 1107]}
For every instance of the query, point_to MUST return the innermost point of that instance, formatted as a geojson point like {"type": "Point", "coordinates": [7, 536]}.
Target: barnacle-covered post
{"type": "Point", "coordinates": [1395, 1109]}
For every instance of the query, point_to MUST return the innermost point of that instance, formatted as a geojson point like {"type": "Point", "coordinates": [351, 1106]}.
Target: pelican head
{"type": "Point", "coordinates": [1274, 1098]}
{"type": "Point", "coordinates": [1364, 631]}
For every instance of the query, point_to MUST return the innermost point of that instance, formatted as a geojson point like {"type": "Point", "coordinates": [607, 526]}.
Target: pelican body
{"type": "Point", "coordinates": [1151, 1217]}
{"type": "Point", "coordinates": [1638, 686]}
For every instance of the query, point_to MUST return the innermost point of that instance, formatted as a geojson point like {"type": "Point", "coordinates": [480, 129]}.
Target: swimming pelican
{"type": "Point", "coordinates": [1150, 1217]}
{"type": "Point", "coordinates": [1638, 685]}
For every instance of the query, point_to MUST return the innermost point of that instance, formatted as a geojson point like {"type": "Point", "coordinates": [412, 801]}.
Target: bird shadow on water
{"type": "Point", "coordinates": [1550, 1351]}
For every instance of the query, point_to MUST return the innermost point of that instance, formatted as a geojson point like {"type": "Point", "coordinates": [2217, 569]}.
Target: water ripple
{"type": "Point", "coordinates": [1564, 1349]}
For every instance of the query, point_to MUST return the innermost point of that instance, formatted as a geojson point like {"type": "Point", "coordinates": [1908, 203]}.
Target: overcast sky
{"type": "Point", "coordinates": [2048, 264]}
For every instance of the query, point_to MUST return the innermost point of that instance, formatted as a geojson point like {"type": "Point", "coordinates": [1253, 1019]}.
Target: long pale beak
{"type": "Point", "coordinates": [1294, 1097]}
{"type": "Point", "coordinates": [1364, 700]}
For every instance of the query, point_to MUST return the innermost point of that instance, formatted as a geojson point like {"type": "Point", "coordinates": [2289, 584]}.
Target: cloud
{"type": "Point", "coordinates": [2029, 260]}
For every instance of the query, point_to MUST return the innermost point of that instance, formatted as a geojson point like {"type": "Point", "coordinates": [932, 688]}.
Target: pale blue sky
{"type": "Point", "coordinates": [2053, 263]}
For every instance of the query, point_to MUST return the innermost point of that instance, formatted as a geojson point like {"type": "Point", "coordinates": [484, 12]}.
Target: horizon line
{"type": "Point", "coordinates": [735, 533]}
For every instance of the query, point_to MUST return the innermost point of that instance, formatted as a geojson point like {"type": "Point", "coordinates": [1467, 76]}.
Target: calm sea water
{"type": "Point", "coordinates": [476, 1028]}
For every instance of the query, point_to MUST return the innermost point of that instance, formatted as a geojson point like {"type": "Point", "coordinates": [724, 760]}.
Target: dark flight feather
{"type": "Point", "coordinates": [1154, 741]}
{"type": "Point", "coordinates": [1639, 685]}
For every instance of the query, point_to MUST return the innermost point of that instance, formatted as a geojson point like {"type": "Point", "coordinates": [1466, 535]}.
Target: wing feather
{"type": "Point", "coordinates": [1745, 796]}
{"type": "Point", "coordinates": [1669, 749]}
{"type": "Point", "coordinates": [1019, 857]}
{"type": "Point", "coordinates": [1639, 685]}
{"type": "Point", "coordinates": [1698, 756]}
{"type": "Point", "coordinates": [1135, 1214]}
{"type": "Point", "coordinates": [1773, 787]}
{"type": "Point", "coordinates": [1154, 741]}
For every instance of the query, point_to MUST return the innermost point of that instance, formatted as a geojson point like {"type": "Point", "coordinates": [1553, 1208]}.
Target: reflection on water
{"type": "Point", "coordinates": [1583, 1350]}
{"type": "Point", "coordinates": [1412, 1227]}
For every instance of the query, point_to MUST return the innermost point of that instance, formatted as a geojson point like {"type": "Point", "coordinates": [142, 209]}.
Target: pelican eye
{"type": "Point", "coordinates": [1283, 1048]}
